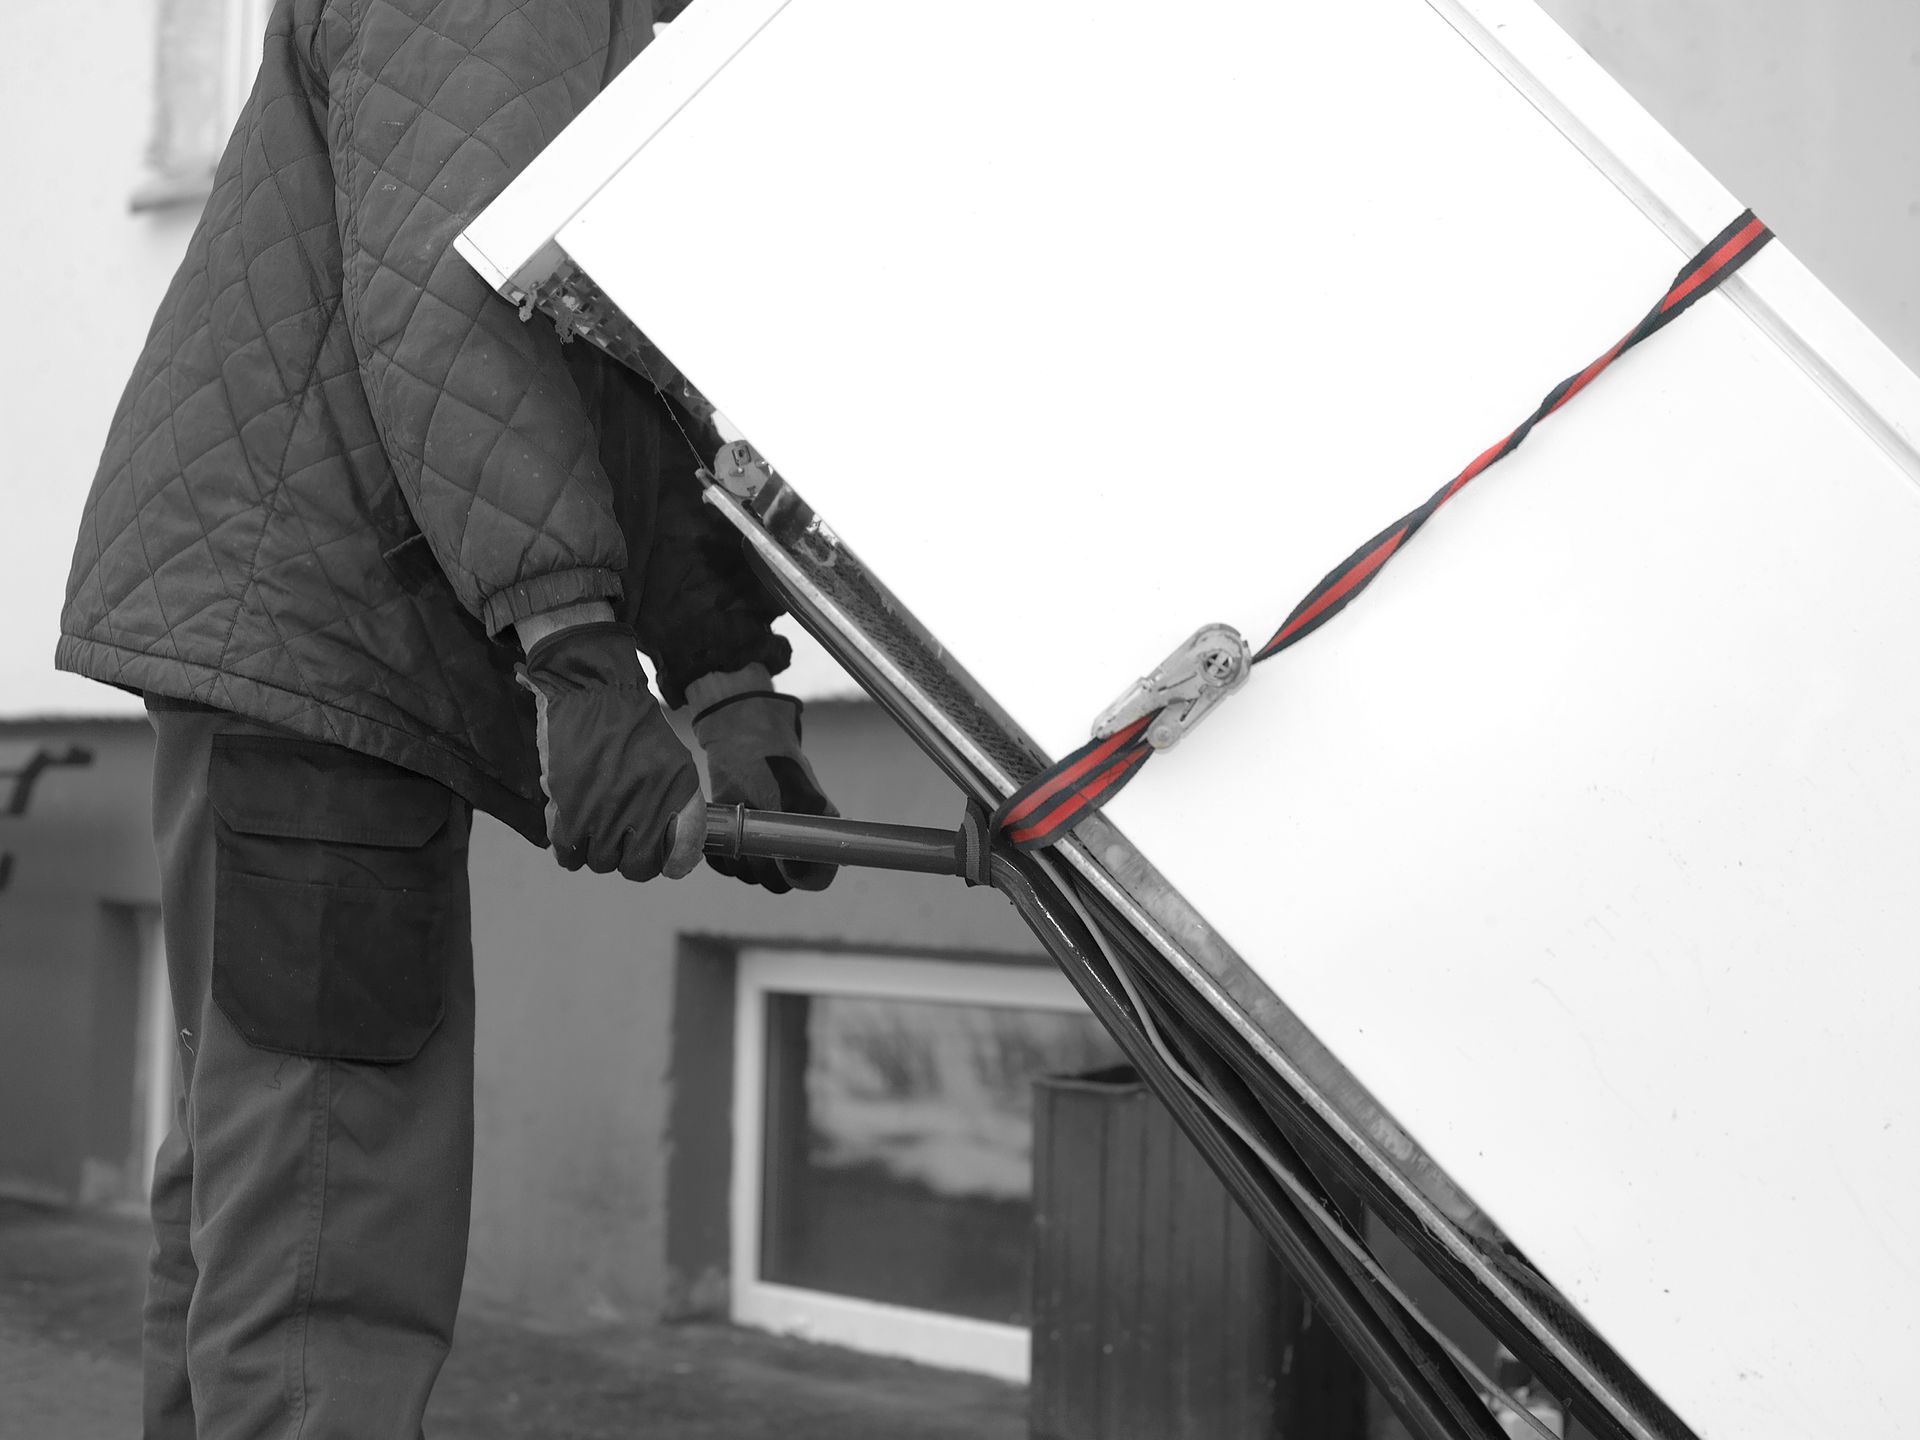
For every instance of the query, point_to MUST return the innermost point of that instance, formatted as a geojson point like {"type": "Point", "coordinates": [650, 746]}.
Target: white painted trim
{"type": "Point", "coordinates": [929, 1337]}
{"type": "Point", "coordinates": [156, 1055]}
{"type": "Point", "coordinates": [950, 1341]}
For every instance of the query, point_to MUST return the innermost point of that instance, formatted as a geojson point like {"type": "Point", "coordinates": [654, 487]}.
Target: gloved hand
{"type": "Point", "coordinates": [752, 738]}
{"type": "Point", "coordinates": [622, 791]}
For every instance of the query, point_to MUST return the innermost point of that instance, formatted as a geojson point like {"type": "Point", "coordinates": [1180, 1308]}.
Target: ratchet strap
{"type": "Point", "coordinates": [1058, 798]}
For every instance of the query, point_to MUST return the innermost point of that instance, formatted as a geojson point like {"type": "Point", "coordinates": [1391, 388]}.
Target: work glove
{"type": "Point", "coordinates": [622, 791]}
{"type": "Point", "coordinates": [751, 734]}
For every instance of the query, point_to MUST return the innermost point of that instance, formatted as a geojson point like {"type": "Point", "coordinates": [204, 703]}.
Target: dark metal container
{"type": "Point", "coordinates": [1158, 1313]}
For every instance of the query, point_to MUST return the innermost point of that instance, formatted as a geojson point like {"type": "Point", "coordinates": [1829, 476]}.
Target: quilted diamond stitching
{"type": "Point", "coordinates": [323, 353]}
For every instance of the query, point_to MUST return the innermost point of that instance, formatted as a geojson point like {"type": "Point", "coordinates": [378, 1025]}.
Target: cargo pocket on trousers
{"type": "Point", "coordinates": [335, 878]}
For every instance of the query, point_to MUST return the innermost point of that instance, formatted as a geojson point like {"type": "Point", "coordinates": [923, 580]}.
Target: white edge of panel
{"type": "Point", "coordinates": [1851, 364]}
{"type": "Point", "coordinates": [508, 243]}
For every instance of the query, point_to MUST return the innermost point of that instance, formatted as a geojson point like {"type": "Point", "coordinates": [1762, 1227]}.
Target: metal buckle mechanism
{"type": "Point", "coordinates": [1210, 665]}
{"type": "Point", "coordinates": [739, 468]}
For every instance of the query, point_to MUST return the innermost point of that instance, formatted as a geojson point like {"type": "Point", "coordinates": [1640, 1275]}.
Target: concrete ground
{"type": "Point", "coordinates": [70, 1288]}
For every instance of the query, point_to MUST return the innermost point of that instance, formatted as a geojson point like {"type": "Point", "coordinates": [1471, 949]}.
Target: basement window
{"type": "Point", "coordinates": [883, 1138]}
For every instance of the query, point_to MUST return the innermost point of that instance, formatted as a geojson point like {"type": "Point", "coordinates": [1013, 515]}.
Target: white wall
{"type": "Point", "coordinates": [85, 276]}
{"type": "Point", "coordinates": [1808, 110]}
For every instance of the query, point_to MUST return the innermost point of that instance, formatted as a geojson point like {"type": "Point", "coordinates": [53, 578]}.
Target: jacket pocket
{"type": "Point", "coordinates": [335, 879]}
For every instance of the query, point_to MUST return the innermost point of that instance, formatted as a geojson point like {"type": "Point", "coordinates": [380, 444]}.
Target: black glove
{"type": "Point", "coordinates": [752, 740]}
{"type": "Point", "coordinates": [622, 792]}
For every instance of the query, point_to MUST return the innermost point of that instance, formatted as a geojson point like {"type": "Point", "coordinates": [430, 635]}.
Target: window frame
{"type": "Point", "coordinates": [188, 179]}
{"type": "Point", "coordinates": [927, 1336]}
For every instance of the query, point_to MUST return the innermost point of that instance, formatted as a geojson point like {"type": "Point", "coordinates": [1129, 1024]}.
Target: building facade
{"type": "Point", "coordinates": [691, 1095]}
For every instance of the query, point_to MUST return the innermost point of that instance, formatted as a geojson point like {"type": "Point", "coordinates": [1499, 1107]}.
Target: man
{"type": "Point", "coordinates": [378, 553]}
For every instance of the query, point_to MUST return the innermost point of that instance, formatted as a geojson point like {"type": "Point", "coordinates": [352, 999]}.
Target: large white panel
{"type": "Point", "coordinates": [1587, 837]}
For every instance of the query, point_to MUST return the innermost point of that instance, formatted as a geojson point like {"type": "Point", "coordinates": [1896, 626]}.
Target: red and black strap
{"type": "Point", "coordinates": [1057, 799]}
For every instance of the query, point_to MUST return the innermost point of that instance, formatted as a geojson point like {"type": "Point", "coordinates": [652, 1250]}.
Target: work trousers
{"type": "Point", "coordinates": [310, 1206]}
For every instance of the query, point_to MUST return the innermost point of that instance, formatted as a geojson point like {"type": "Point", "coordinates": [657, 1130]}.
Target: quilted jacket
{"type": "Point", "coordinates": [343, 466]}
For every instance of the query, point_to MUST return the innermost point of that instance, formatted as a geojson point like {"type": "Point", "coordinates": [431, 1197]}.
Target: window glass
{"type": "Point", "coordinates": [898, 1161]}
{"type": "Point", "coordinates": [208, 52]}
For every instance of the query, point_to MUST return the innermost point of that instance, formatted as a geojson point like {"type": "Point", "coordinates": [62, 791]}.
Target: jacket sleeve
{"type": "Point", "coordinates": [695, 603]}
{"type": "Point", "coordinates": [431, 109]}
{"type": "Point", "coordinates": [702, 608]}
